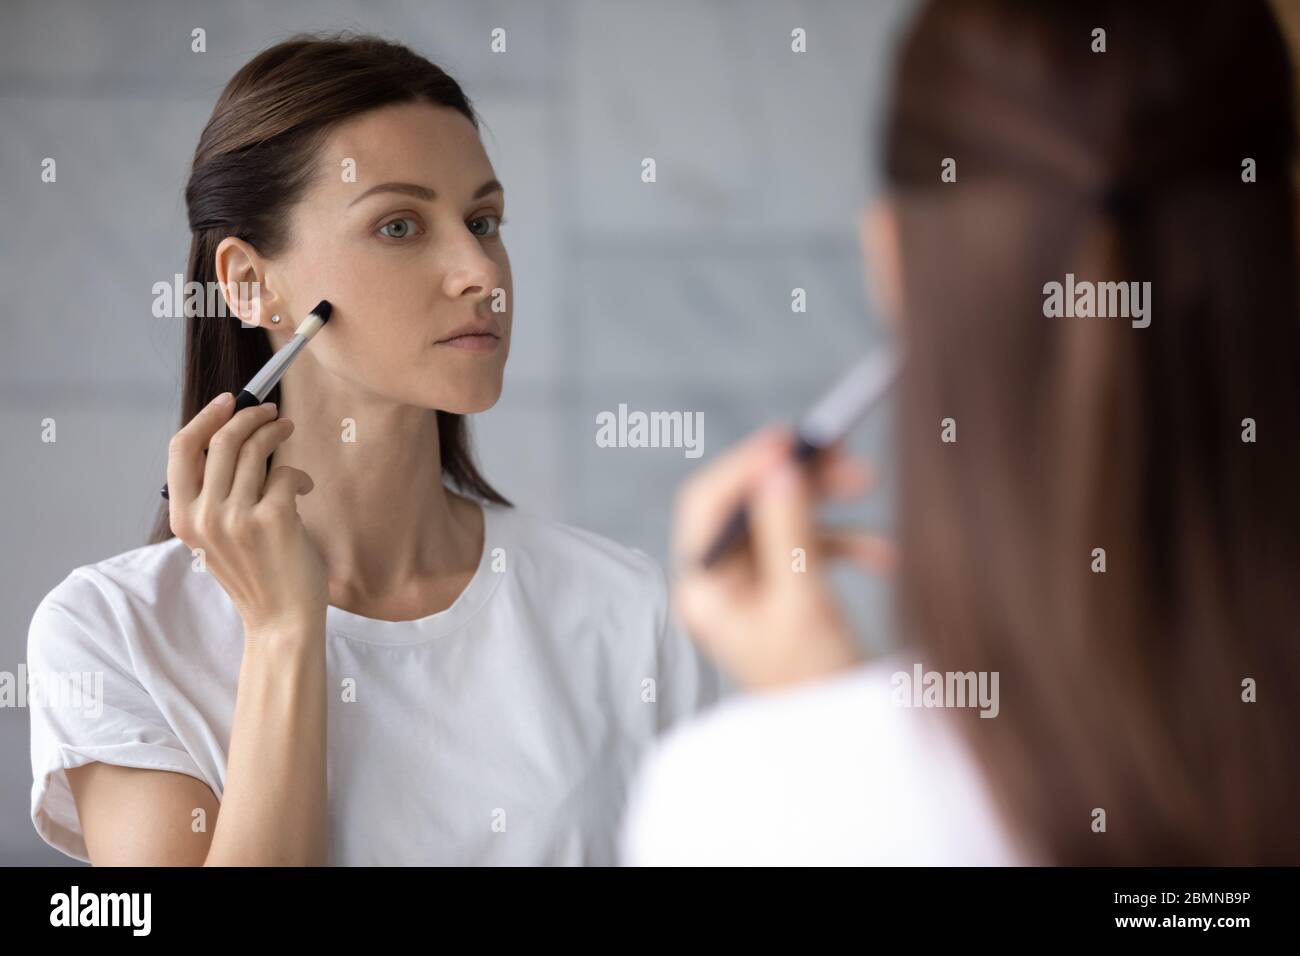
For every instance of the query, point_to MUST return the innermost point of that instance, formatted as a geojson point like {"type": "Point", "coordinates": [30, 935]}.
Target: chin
{"type": "Point", "coordinates": [468, 401]}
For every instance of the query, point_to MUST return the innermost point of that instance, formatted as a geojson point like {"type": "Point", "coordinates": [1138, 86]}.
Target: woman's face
{"type": "Point", "coordinates": [400, 232]}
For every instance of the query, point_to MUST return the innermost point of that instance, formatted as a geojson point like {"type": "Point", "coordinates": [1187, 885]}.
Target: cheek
{"type": "Point", "coordinates": [320, 269]}
{"type": "Point", "coordinates": [379, 336]}
{"type": "Point", "coordinates": [371, 350]}
{"type": "Point", "coordinates": [375, 292]}
{"type": "Point", "coordinates": [507, 283]}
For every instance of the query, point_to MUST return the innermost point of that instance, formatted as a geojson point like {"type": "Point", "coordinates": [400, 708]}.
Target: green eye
{"type": "Point", "coordinates": [485, 226]}
{"type": "Point", "coordinates": [397, 229]}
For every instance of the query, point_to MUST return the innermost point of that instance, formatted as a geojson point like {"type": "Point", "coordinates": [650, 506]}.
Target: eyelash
{"type": "Point", "coordinates": [500, 221]}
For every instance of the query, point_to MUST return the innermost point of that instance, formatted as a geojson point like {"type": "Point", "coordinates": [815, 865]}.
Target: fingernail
{"type": "Point", "coordinates": [225, 398]}
{"type": "Point", "coordinates": [270, 406]}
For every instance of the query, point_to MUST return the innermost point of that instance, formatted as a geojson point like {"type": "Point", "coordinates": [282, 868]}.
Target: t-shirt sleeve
{"type": "Point", "coordinates": [86, 705]}
{"type": "Point", "coordinates": [688, 681]}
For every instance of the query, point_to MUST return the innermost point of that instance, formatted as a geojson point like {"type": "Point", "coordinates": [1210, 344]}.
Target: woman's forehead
{"type": "Point", "coordinates": [416, 142]}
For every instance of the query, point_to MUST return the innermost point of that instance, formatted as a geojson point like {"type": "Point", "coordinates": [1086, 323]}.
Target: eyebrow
{"type": "Point", "coordinates": [424, 192]}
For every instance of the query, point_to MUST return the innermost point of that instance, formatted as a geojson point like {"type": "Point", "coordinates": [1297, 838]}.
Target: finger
{"type": "Point", "coordinates": [838, 476]}
{"type": "Point", "coordinates": [250, 467]}
{"type": "Point", "coordinates": [284, 484]}
{"type": "Point", "coordinates": [870, 551]}
{"type": "Point", "coordinates": [709, 496]}
{"type": "Point", "coordinates": [704, 602]}
{"type": "Point", "coordinates": [783, 519]}
{"type": "Point", "coordinates": [185, 452]}
{"type": "Point", "coordinates": [733, 573]}
{"type": "Point", "coordinates": [223, 449]}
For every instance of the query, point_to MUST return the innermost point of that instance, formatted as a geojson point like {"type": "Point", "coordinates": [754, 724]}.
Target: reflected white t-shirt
{"type": "Point", "coordinates": [502, 730]}
{"type": "Point", "coordinates": [827, 773]}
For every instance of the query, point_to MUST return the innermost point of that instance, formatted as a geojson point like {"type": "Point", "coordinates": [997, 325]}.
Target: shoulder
{"type": "Point", "coordinates": [96, 600]}
{"type": "Point", "coordinates": [751, 740]}
{"type": "Point", "coordinates": [825, 773]}
{"type": "Point", "coordinates": [551, 553]}
{"type": "Point", "coordinates": [590, 595]}
{"type": "Point", "coordinates": [137, 570]}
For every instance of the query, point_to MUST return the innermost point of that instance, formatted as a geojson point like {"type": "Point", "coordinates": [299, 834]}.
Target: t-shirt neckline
{"type": "Point", "coordinates": [346, 624]}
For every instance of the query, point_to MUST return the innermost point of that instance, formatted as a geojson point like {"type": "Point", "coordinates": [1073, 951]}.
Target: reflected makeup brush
{"type": "Point", "coordinates": [260, 385]}
{"type": "Point", "coordinates": [829, 422]}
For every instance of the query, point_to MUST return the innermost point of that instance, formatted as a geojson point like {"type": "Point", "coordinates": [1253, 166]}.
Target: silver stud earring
{"type": "Point", "coordinates": [275, 319]}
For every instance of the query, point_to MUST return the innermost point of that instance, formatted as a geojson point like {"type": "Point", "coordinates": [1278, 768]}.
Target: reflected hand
{"type": "Point", "coordinates": [766, 613]}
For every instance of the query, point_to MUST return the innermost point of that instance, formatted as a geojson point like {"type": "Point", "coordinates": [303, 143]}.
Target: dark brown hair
{"type": "Point", "coordinates": [1123, 690]}
{"type": "Point", "coordinates": [253, 162]}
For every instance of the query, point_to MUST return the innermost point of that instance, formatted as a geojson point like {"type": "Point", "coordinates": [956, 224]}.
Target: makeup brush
{"type": "Point", "coordinates": [260, 385]}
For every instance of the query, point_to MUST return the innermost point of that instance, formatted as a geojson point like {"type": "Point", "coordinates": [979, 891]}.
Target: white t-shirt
{"type": "Point", "coordinates": [502, 730]}
{"type": "Point", "coordinates": [830, 773]}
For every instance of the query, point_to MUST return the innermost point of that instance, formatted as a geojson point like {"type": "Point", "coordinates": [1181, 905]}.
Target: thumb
{"type": "Point", "coordinates": [285, 483]}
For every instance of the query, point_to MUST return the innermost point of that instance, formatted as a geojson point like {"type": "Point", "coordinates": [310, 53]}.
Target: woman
{"type": "Point", "coordinates": [346, 660]}
{"type": "Point", "coordinates": [1098, 526]}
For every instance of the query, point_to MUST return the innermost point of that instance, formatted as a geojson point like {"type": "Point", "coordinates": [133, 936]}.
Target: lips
{"type": "Point", "coordinates": [478, 334]}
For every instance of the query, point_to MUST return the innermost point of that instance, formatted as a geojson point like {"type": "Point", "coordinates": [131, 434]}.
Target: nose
{"type": "Point", "coordinates": [470, 271]}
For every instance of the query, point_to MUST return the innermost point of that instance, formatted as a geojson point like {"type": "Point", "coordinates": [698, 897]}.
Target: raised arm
{"type": "Point", "coordinates": [246, 524]}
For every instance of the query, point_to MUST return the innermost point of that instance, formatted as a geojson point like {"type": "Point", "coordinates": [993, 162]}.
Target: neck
{"type": "Point", "coordinates": [390, 533]}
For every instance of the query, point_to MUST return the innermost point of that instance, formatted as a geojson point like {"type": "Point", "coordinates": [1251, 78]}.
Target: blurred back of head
{"type": "Point", "coordinates": [1120, 690]}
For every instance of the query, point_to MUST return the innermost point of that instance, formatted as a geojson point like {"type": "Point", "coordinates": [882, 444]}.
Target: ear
{"type": "Point", "coordinates": [241, 273]}
{"type": "Point", "coordinates": [878, 235]}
